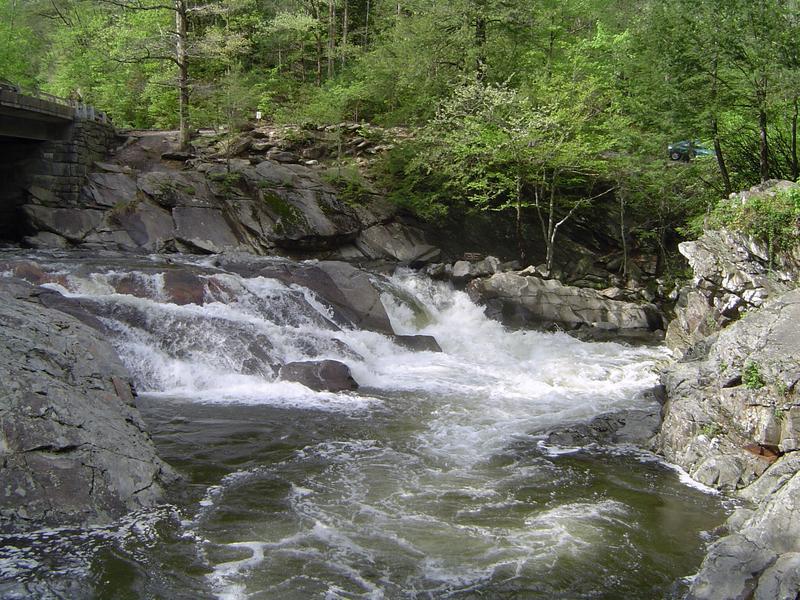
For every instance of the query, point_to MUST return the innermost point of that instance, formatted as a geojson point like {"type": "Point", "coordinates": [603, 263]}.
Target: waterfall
{"type": "Point", "coordinates": [426, 482]}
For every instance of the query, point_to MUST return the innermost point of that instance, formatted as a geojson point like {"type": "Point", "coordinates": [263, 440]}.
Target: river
{"type": "Point", "coordinates": [431, 481]}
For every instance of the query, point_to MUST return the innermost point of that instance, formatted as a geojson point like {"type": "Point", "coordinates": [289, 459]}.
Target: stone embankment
{"type": "Point", "coordinates": [148, 198]}
{"type": "Point", "coordinates": [732, 414]}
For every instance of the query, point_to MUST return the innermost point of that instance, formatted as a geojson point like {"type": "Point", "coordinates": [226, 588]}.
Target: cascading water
{"type": "Point", "coordinates": [429, 482]}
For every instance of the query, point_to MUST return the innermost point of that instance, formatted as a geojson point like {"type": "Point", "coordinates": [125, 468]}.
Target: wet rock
{"type": "Point", "coordinates": [75, 450]}
{"type": "Point", "coordinates": [203, 229]}
{"type": "Point", "coordinates": [148, 227]}
{"type": "Point", "coordinates": [324, 375]}
{"type": "Point", "coordinates": [184, 287]}
{"type": "Point", "coordinates": [72, 224]}
{"type": "Point", "coordinates": [109, 190]}
{"type": "Point", "coordinates": [636, 427]}
{"type": "Point", "coordinates": [418, 343]}
{"type": "Point", "coordinates": [522, 301]}
{"type": "Point", "coordinates": [45, 239]}
{"type": "Point", "coordinates": [350, 293]}
{"type": "Point", "coordinates": [362, 300]}
{"type": "Point", "coordinates": [396, 241]}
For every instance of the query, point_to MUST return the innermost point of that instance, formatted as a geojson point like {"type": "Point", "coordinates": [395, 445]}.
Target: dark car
{"type": "Point", "coordinates": [687, 150]}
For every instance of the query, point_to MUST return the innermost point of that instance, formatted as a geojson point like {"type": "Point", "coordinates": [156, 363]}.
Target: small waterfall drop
{"type": "Point", "coordinates": [427, 482]}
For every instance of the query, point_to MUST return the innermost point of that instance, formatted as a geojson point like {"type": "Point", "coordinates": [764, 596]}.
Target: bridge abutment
{"type": "Point", "coordinates": [39, 175]}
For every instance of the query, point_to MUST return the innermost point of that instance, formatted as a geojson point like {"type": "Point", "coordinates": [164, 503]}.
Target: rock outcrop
{"type": "Point", "coordinates": [74, 449]}
{"type": "Point", "coordinates": [732, 415]}
{"type": "Point", "coordinates": [266, 203]}
{"type": "Point", "coordinates": [519, 300]}
{"type": "Point", "coordinates": [732, 419]}
{"type": "Point", "coordinates": [732, 405]}
{"type": "Point", "coordinates": [733, 273]}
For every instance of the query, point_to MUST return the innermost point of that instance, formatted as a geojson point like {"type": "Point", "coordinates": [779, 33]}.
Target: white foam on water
{"type": "Point", "coordinates": [373, 516]}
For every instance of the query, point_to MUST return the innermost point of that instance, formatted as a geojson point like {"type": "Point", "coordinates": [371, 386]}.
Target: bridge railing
{"type": "Point", "coordinates": [82, 111]}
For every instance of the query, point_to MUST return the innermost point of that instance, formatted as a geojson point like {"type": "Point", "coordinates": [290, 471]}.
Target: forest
{"type": "Point", "coordinates": [537, 110]}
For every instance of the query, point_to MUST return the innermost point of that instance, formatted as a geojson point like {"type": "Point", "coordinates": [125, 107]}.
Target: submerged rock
{"type": "Point", "coordinates": [636, 427]}
{"type": "Point", "coordinates": [74, 448]}
{"type": "Point", "coordinates": [322, 375]}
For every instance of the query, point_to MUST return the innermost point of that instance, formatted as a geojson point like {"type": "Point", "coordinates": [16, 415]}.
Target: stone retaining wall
{"type": "Point", "coordinates": [63, 165]}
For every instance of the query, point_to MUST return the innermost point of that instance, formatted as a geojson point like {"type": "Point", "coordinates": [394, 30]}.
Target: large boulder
{"type": "Point", "coordinates": [527, 301]}
{"type": "Point", "coordinates": [351, 294]}
{"type": "Point", "coordinates": [396, 241]}
{"type": "Point", "coordinates": [74, 448]}
{"type": "Point", "coordinates": [322, 375]}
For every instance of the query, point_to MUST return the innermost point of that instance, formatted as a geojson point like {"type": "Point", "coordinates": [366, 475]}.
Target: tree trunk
{"type": "Point", "coordinates": [551, 226]}
{"type": "Point", "coordinates": [723, 168]}
{"type": "Point", "coordinates": [181, 58]}
{"type": "Point", "coordinates": [762, 128]}
{"type": "Point", "coordinates": [344, 34]}
{"type": "Point", "coordinates": [480, 46]}
{"type": "Point", "coordinates": [366, 28]}
{"type": "Point", "coordinates": [795, 167]}
{"type": "Point", "coordinates": [331, 36]}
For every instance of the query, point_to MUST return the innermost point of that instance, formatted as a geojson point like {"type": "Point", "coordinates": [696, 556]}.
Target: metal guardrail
{"type": "Point", "coordinates": [82, 111]}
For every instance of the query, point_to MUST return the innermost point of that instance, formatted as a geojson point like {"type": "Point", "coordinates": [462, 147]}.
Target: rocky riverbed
{"type": "Point", "coordinates": [76, 452]}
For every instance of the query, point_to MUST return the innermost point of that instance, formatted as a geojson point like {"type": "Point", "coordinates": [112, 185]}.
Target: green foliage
{"type": "Point", "coordinates": [421, 191]}
{"type": "Point", "coordinates": [350, 184]}
{"type": "Point", "coordinates": [771, 218]}
{"type": "Point", "coordinates": [515, 99]}
{"type": "Point", "coordinates": [711, 430]}
{"type": "Point", "coordinates": [751, 376]}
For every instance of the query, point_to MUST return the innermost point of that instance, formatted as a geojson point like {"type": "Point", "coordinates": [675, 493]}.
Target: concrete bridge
{"type": "Point", "coordinates": [47, 147]}
{"type": "Point", "coordinates": [35, 115]}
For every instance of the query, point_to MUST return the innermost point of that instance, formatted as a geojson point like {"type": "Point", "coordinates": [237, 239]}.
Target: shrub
{"type": "Point", "coordinates": [751, 377]}
{"type": "Point", "coordinates": [773, 219]}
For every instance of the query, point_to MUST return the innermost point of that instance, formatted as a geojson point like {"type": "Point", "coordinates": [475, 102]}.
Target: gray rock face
{"type": "Point", "coordinates": [323, 375]}
{"type": "Point", "coordinates": [221, 206]}
{"type": "Point", "coordinates": [733, 273]}
{"type": "Point", "coordinates": [732, 410]}
{"type": "Point", "coordinates": [74, 449]}
{"type": "Point", "coordinates": [736, 390]}
{"type": "Point", "coordinates": [349, 292]}
{"type": "Point", "coordinates": [517, 300]}
{"type": "Point", "coordinates": [397, 242]}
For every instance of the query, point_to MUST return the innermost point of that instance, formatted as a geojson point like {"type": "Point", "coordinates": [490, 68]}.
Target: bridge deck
{"type": "Point", "coordinates": [15, 103]}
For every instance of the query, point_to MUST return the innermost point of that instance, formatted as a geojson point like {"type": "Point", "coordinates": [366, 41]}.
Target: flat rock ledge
{"type": "Point", "coordinates": [73, 448]}
{"type": "Point", "coordinates": [519, 300]}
